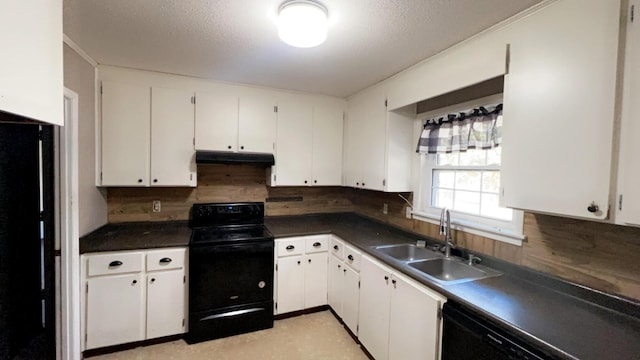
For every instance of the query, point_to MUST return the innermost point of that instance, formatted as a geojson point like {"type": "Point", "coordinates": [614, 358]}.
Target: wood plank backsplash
{"type": "Point", "coordinates": [223, 183]}
{"type": "Point", "coordinates": [601, 256]}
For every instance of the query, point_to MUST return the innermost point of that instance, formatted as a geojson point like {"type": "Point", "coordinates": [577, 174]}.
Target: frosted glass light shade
{"type": "Point", "coordinates": [302, 23]}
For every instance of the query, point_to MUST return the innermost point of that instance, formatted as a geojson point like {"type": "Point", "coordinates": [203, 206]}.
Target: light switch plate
{"type": "Point", "coordinates": [385, 208]}
{"type": "Point", "coordinates": [157, 206]}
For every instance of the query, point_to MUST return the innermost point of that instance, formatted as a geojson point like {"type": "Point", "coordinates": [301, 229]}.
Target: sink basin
{"type": "Point", "coordinates": [407, 252]}
{"type": "Point", "coordinates": [452, 270]}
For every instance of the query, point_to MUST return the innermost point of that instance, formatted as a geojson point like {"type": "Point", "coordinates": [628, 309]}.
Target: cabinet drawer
{"type": "Point", "coordinates": [315, 244]}
{"type": "Point", "coordinates": [290, 246]}
{"type": "Point", "coordinates": [352, 257]}
{"type": "Point", "coordinates": [336, 247]}
{"type": "Point", "coordinates": [115, 263]}
{"type": "Point", "coordinates": [165, 259]}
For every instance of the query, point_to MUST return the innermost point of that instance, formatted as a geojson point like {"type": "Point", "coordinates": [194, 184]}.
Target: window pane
{"type": "Point", "coordinates": [468, 180]}
{"type": "Point", "coordinates": [473, 157]}
{"type": "Point", "coordinates": [467, 201]}
{"type": "Point", "coordinates": [442, 198]}
{"type": "Point", "coordinates": [494, 155]}
{"type": "Point", "coordinates": [448, 159]}
{"type": "Point", "coordinates": [491, 181]}
{"type": "Point", "coordinates": [490, 208]}
{"type": "Point", "coordinates": [443, 179]}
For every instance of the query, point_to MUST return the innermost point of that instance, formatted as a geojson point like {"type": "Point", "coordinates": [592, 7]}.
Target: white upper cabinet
{"type": "Point", "coordinates": [294, 143]}
{"type": "Point", "coordinates": [309, 143]}
{"type": "Point", "coordinates": [328, 127]}
{"type": "Point", "coordinates": [31, 70]}
{"type": "Point", "coordinates": [172, 137]}
{"type": "Point", "coordinates": [235, 124]}
{"type": "Point", "coordinates": [378, 144]}
{"type": "Point", "coordinates": [559, 108]}
{"type": "Point", "coordinates": [628, 201]}
{"type": "Point", "coordinates": [126, 134]}
{"type": "Point", "coordinates": [147, 136]}
{"type": "Point", "coordinates": [257, 124]}
{"type": "Point", "coordinates": [216, 122]}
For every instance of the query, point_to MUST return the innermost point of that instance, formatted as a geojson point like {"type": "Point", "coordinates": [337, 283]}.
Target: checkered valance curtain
{"type": "Point", "coordinates": [478, 129]}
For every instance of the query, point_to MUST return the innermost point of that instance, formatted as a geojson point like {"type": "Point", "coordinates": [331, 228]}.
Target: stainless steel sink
{"type": "Point", "coordinates": [407, 252]}
{"type": "Point", "coordinates": [452, 270]}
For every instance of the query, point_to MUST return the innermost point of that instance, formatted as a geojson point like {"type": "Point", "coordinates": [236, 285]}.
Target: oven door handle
{"type": "Point", "coordinates": [232, 313]}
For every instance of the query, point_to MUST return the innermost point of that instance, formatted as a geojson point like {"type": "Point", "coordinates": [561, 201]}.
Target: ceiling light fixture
{"type": "Point", "coordinates": [302, 23]}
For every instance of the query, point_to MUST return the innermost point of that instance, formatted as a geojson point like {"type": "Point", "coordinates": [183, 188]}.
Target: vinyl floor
{"type": "Point", "coordinates": [312, 336]}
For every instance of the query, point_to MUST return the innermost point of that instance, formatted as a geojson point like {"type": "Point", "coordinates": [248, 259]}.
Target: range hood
{"type": "Point", "coordinates": [223, 157]}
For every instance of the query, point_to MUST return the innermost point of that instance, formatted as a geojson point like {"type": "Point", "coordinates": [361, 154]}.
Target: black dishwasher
{"type": "Point", "coordinates": [466, 336]}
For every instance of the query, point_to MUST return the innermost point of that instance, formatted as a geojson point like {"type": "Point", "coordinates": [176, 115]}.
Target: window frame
{"type": "Point", "coordinates": [511, 232]}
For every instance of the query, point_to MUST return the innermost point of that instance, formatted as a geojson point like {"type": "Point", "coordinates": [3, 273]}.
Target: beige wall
{"type": "Point", "coordinates": [92, 202]}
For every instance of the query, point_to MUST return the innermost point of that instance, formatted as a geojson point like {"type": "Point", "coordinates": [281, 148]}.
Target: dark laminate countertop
{"type": "Point", "coordinates": [132, 236]}
{"type": "Point", "coordinates": [568, 320]}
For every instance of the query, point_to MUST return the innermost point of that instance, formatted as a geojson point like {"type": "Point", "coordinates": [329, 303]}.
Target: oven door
{"type": "Point", "coordinates": [229, 275]}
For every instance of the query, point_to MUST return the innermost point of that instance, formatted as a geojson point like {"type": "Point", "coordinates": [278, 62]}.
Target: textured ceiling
{"type": "Point", "coordinates": [237, 40]}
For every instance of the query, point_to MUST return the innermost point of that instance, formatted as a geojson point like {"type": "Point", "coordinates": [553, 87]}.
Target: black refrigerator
{"type": "Point", "coordinates": [27, 299]}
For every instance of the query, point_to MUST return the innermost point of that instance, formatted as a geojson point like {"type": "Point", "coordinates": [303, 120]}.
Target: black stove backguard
{"type": "Point", "coordinates": [230, 271]}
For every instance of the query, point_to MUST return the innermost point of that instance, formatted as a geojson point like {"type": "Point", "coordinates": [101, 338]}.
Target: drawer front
{"type": "Point", "coordinates": [165, 259]}
{"type": "Point", "coordinates": [336, 247]}
{"type": "Point", "coordinates": [352, 257]}
{"type": "Point", "coordinates": [115, 263]}
{"type": "Point", "coordinates": [319, 243]}
{"type": "Point", "coordinates": [290, 246]}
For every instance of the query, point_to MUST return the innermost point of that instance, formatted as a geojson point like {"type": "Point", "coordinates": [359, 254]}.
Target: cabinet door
{"type": "Point", "coordinates": [172, 137]}
{"type": "Point", "coordinates": [115, 310]}
{"type": "Point", "coordinates": [559, 109]}
{"type": "Point", "coordinates": [165, 303]}
{"type": "Point", "coordinates": [216, 122]}
{"type": "Point", "coordinates": [414, 330]}
{"type": "Point", "coordinates": [315, 280]}
{"type": "Point", "coordinates": [374, 134]}
{"type": "Point", "coordinates": [31, 70]}
{"type": "Point", "coordinates": [327, 146]}
{"type": "Point", "coordinates": [126, 124]}
{"type": "Point", "coordinates": [335, 286]}
{"type": "Point", "coordinates": [628, 211]}
{"type": "Point", "coordinates": [290, 284]}
{"type": "Point", "coordinates": [257, 125]}
{"type": "Point", "coordinates": [351, 299]}
{"type": "Point", "coordinates": [294, 143]}
{"type": "Point", "coordinates": [375, 301]}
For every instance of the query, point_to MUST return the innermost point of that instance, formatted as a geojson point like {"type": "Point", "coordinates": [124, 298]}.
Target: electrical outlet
{"type": "Point", "coordinates": [385, 208]}
{"type": "Point", "coordinates": [157, 206]}
{"type": "Point", "coordinates": [408, 212]}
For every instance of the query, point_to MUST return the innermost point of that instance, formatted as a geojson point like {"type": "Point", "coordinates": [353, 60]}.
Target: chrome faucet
{"type": "Point", "coordinates": [445, 229]}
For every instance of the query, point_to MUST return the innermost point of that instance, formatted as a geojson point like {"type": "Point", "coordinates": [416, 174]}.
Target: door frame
{"type": "Point", "coordinates": [67, 242]}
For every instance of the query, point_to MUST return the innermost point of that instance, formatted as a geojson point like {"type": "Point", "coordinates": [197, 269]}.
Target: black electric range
{"type": "Point", "coordinates": [231, 260]}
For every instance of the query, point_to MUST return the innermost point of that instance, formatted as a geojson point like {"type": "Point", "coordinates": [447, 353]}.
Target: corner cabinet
{"type": "Point", "coordinates": [559, 108]}
{"type": "Point", "coordinates": [31, 69]}
{"type": "Point", "coordinates": [308, 145]}
{"type": "Point", "coordinates": [398, 317]}
{"type": "Point", "coordinates": [300, 273]}
{"type": "Point", "coordinates": [378, 144]}
{"type": "Point", "coordinates": [147, 136]}
{"type": "Point", "coordinates": [235, 124]}
{"type": "Point", "coordinates": [132, 296]}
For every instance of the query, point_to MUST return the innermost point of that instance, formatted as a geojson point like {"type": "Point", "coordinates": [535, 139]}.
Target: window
{"type": "Point", "coordinates": [468, 184]}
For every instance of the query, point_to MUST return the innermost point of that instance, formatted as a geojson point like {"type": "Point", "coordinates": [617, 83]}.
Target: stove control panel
{"type": "Point", "coordinates": [227, 213]}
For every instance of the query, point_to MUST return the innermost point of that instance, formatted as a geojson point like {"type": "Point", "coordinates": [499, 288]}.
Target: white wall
{"type": "Point", "coordinates": [79, 76]}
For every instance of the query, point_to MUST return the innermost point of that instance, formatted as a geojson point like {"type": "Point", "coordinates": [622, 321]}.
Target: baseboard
{"type": "Point", "coordinates": [129, 346]}
{"type": "Point", "coordinates": [301, 312]}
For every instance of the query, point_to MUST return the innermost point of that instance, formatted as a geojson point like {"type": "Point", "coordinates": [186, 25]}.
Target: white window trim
{"type": "Point", "coordinates": [511, 232]}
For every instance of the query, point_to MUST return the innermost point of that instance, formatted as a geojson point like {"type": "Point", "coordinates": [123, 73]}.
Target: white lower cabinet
{"type": "Point", "coordinates": [132, 296]}
{"type": "Point", "coordinates": [398, 317]}
{"type": "Point", "coordinates": [301, 273]}
{"type": "Point", "coordinates": [344, 283]}
{"type": "Point", "coordinates": [115, 310]}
